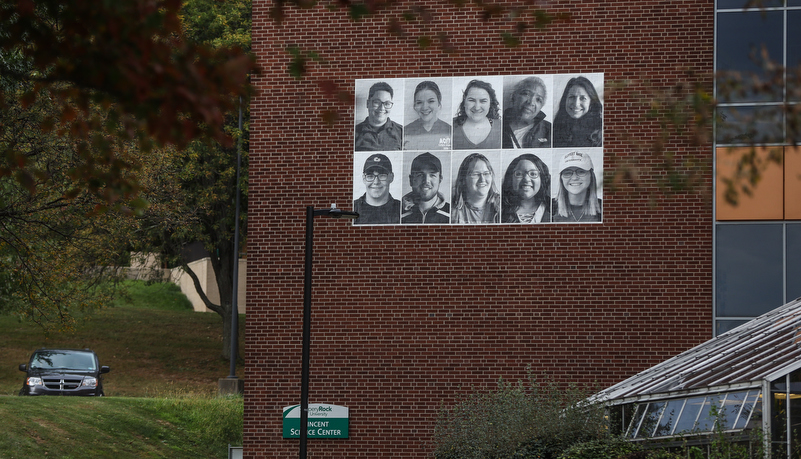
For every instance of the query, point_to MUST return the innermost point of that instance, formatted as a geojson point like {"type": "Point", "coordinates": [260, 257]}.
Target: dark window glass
{"type": "Point", "coordinates": [690, 414]}
{"type": "Point", "coordinates": [636, 420]}
{"type": "Point", "coordinates": [730, 410]}
{"type": "Point", "coordinates": [748, 276]}
{"type": "Point", "coordinates": [747, 125]}
{"type": "Point", "coordinates": [722, 326]}
{"type": "Point", "coordinates": [793, 261]}
{"type": "Point", "coordinates": [706, 421]}
{"type": "Point", "coordinates": [794, 55]}
{"type": "Point", "coordinates": [748, 408]}
{"type": "Point", "coordinates": [669, 417]}
{"type": "Point", "coordinates": [745, 40]}
{"type": "Point", "coordinates": [651, 419]}
{"type": "Point", "coordinates": [740, 4]}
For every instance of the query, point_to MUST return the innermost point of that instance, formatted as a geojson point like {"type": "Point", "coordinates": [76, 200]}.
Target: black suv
{"type": "Point", "coordinates": [63, 372]}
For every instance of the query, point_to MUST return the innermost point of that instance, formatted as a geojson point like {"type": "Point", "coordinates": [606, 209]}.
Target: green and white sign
{"type": "Point", "coordinates": [324, 421]}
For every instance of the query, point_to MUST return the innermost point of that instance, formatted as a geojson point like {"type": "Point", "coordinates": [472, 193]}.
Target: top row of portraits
{"type": "Point", "coordinates": [471, 113]}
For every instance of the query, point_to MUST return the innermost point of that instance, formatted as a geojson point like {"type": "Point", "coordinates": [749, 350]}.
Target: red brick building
{"type": "Point", "coordinates": [406, 318]}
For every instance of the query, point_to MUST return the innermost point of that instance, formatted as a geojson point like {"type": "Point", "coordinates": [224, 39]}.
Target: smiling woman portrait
{"type": "Point", "coordinates": [477, 124]}
{"type": "Point", "coordinates": [527, 191]}
{"type": "Point", "coordinates": [579, 121]}
{"type": "Point", "coordinates": [475, 194]}
{"type": "Point", "coordinates": [577, 199]}
{"type": "Point", "coordinates": [428, 131]}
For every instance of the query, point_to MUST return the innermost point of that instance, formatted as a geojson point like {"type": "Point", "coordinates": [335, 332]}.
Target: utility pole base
{"type": "Point", "coordinates": [231, 386]}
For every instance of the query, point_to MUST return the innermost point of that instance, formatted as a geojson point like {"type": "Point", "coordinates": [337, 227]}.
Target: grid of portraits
{"type": "Point", "coordinates": [523, 149]}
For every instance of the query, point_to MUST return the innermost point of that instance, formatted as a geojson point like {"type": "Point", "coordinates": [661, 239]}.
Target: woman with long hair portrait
{"type": "Point", "coordinates": [526, 191]}
{"type": "Point", "coordinates": [477, 124]}
{"type": "Point", "coordinates": [579, 121]}
{"type": "Point", "coordinates": [475, 195]}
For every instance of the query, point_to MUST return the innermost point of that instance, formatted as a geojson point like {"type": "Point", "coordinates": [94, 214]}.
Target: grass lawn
{"type": "Point", "coordinates": [151, 352]}
{"type": "Point", "coordinates": [161, 398]}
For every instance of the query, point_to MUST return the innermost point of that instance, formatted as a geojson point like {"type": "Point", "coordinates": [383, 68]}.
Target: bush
{"type": "Point", "coordinates": [521, 421]}
{"type": "Point", "coordinates": [606, 448]}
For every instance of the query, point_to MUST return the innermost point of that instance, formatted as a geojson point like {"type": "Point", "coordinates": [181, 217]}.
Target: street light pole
{"type": "Point", "coordinates": [307, 291]}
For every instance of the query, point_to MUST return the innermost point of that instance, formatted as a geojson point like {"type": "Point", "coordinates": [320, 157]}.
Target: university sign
{"type": "Point", "coordinates": [325, 421]}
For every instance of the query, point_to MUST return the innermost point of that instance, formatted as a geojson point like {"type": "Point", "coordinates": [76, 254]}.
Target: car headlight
{"type": "Point", "coordinates": [34, 381]}
{"type": "Point", "coordinates": [89, 382]}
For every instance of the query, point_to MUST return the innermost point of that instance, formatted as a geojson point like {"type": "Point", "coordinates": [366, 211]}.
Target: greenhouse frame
{"type": "Point", "coordinates": [719, 387]}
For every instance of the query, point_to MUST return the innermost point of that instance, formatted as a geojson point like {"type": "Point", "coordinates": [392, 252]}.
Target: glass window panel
{"type": "Point", "coordinates": [747, 125]}
{"type": "Point", "coordinates": [749, 273]}
{"type": "Point", "coordinates": [669, 417]}
{"type": "Point", "coordinates": [766, 198]}
{"type": "Point", "coordinates": [741, 4]}
{"type": "Point", "coordinates": [722, 326]}
{"type": "Point", "coordinates": [706, 421]}
{"type": "Point", "coordinates": [745, 40]}
{"type": "Point", "coordinates": [730, 410]}
{"type": "Point", "coordinates": [793, 261]}
{"type": "Point", "coordinates": [748, 407]}
{"type": "Point", "coordinates": [636, 420]}
{"type": "Point", "coordinates": [651, 419]}
{"type": "Point", "coordinates": [686, 422]}
{"type": "Point", "coordinates": [793, 55]}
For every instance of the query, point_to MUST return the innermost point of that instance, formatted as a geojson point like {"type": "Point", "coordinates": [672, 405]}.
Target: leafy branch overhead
{"type": "Point", "coordinates": [129, 58]}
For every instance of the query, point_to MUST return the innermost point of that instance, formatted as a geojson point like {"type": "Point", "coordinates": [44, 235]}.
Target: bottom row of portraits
{"type": "Point", "coordinates": [487, 187]}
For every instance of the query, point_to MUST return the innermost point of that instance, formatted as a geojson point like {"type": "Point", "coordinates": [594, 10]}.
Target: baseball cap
{"type": "Point", "coordinates": [378, 161]}
{"type": "Point", "coordinates": [426, 160]}
{"type": "Point", "coordinates": [575, 159]}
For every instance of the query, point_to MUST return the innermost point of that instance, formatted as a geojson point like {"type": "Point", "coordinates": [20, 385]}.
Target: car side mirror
{"type": "Point", "coordinates": [104, 369]}
{"type": "Point", "coordinates": [23, 367]}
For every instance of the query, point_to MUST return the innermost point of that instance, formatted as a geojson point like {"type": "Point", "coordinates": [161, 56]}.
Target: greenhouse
{"type": "Point", "coordinates": [719, 388]}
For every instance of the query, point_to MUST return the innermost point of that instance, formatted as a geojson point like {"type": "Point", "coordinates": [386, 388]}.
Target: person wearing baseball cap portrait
{"type": "Point", "coordinates": [577, 199]}
{"type": "Point", "coordinates": [377, 206]}
{"type": "Point", "coordinates": [425, 203]}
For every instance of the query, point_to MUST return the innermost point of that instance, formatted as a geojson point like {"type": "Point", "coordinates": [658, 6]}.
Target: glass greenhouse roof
{"type": "Point", "coordinates": [762, 349]}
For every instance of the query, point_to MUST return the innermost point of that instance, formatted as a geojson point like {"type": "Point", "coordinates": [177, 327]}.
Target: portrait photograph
{"type": "Point", "coordinates": [577, 185]}
{"type": "Point", "coordinates": [477, 110]}
{"type": "Point", "coordinates": [378, 114]}
{"type": "Point", "coordinates": [578, 110]}
{"type": "Point", "coordinates": [426, 187]}
{"type": "Point", "coordinates": [476, 191]}
{"type": "Point", "coordinates": [377, 187]}
{"type": "Point", "coordinates": [428, 114]}
{"type": "Point", "coordinates": [527, 114]}
{"type": "Point", "coordinates": [526, 194]}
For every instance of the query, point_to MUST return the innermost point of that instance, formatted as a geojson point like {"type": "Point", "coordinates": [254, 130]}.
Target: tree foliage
{"type": "Point", "coordinates": [192, 190]}
{"type": "Point", "coordinates": [129, 58]}
{"type": "Point", "coordinates": [89, 91]}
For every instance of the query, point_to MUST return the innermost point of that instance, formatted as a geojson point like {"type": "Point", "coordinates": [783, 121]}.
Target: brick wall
{"type": "Point", "coordinates": [408, 317]}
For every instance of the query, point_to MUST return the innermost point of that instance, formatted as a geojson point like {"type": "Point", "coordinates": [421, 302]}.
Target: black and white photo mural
{"type": "Point", "coordinates": [522, 149]}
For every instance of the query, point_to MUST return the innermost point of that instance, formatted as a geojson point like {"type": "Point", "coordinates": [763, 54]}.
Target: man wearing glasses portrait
{"type": "Point", "coordinates": [377, 132]}
{"type": "Point", "coordinates": [377, 206]}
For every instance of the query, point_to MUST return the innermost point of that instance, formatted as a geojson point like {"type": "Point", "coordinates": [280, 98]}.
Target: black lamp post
{"type": "Point", "coordinates": [307, 288]}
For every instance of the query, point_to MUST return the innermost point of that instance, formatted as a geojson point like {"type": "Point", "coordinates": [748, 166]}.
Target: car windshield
{"type": "Point", "coordinates": [56, 359]}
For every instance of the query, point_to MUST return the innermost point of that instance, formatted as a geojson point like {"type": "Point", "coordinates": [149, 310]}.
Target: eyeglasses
{"type": "Point", "coordinates": [477, 175]}
{"type": "Point", "coordinates": [371, 177]}
{"type": "Point", "coordinates": [532, 174]}
{"type": "Point", "coordinates": [377, 104]}
{"type": "Point", "coordinates": [568, 173]}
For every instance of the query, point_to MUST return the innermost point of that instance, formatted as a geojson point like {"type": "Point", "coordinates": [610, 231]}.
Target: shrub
{"type": "Point", "coordinates": [521, 421]}
{"type": "Point", "coordinates": [605, 448]}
